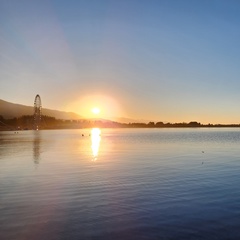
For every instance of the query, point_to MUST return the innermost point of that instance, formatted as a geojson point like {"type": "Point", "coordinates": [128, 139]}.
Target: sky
{"type": "Point", "coordinates": [158, 60]}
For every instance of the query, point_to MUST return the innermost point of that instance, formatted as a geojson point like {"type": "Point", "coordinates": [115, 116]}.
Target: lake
{"type": "Point", "coordinates": [120, 184]}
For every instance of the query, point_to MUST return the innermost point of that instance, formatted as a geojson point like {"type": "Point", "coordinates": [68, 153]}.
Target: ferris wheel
{"type": "Point", "coordinates": [37, 113]}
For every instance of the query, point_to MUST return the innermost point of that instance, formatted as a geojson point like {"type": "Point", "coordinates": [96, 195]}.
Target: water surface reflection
{"type": "Point", "coordinates": [96, 138]}
{"type": "Point", "coordinates": [36, 147]}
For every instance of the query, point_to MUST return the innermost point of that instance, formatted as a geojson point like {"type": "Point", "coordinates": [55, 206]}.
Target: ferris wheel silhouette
{"type": "Point", "coordinates": [37, 113]}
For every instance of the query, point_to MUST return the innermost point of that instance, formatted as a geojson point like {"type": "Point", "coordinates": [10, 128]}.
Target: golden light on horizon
{"type": "Point", "coordinates": [96, 110]}
{"type": "Point", "coordinates": [89, 105]}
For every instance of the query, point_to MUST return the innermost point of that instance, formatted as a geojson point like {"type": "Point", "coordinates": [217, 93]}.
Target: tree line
{"type": "Point", "coordinates": [26, 122]}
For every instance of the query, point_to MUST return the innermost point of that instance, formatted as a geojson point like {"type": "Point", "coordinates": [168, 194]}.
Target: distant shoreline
{"type": "Point", "coordinates": [126, 127]}
{"type": "Point", "coordinates": [27, 123]}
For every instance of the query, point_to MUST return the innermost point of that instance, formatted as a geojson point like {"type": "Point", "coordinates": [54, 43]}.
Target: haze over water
{"type": "Point", "coordinates": [120, 184]}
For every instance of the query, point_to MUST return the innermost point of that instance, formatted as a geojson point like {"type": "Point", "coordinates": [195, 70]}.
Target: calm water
{"type": "Point", "coordinates": [120, 184]}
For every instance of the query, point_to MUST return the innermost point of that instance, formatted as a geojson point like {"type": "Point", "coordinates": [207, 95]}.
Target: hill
{"type": "Point", "coordinates": [130, 120]}
{"type": "Point", "coordinates": [11, 110]}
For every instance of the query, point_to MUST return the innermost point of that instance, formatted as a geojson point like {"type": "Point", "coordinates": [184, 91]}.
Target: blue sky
{"type": "Point", "coordinates": [168, 60]}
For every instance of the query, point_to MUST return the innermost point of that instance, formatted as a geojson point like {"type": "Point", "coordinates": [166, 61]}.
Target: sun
{"type": "Point", "coordinates": [95, 110]}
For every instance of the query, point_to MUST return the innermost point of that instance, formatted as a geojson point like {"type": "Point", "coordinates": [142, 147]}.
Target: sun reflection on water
{"type": "Point", "coordinates": [96, 138]}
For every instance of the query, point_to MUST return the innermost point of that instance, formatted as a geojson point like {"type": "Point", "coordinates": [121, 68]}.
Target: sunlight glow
{"type": "Point", "coordinates": [108, 106]}
{"type": "Point", "coordinates": [96, 138]}
{"type": "Point", "coordinates": [96, 110]}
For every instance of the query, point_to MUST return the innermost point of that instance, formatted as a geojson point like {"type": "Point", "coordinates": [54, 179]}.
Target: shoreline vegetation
{"type": "Point", "coordinates": [26, 123]}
